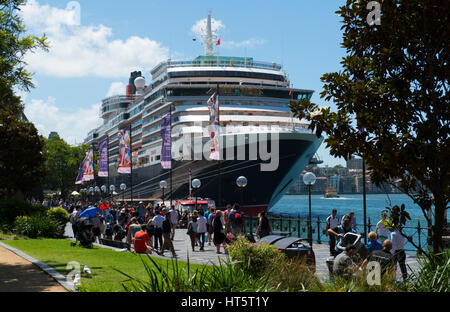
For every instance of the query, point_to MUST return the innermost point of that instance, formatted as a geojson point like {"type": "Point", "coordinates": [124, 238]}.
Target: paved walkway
{"type": "Point", "coordinates": [183, 249]}
{"type": "Point", "coordinates": [20, 275]}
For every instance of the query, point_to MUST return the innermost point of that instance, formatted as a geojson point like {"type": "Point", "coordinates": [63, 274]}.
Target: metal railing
{"type": "Point", "coordinates": [298, 227]}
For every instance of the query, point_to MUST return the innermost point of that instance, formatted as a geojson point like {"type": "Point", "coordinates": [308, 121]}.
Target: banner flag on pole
{"type": "Point", "coordinates": [124, 151]}
{"type": "Point", "coordinates": [166, 148]}
{"type": "Point", "coordinates": [79, 179]}
{"type": "Point", "coordinates": [88, 166]}
{"type": "Point", "coordinates": [103, 162]}
{"type": "Point", "coordinates": [214, 127]}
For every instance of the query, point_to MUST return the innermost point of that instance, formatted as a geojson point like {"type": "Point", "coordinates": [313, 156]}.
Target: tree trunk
{"type": "Point", "coordinates": [439, 214]}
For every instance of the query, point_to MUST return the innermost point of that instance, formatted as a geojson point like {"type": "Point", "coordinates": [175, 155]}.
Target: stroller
{"type": "Point", "coordinates": [84, 235]}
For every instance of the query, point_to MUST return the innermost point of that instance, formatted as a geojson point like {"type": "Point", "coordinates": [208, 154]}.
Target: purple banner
{"type": "Point", "coordinates": [166, 148]}
{"type": "Point", "coordinates": [103, 164]}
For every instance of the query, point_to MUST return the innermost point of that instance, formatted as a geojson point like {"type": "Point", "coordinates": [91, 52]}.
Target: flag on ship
{"type": "Point", "coordinates": [166, 147]}
{"type": "Point", "coordinates": [214, 127]}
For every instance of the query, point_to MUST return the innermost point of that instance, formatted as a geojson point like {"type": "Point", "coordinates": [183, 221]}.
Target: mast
{"type": "Point", "coordinates": [209, 37]}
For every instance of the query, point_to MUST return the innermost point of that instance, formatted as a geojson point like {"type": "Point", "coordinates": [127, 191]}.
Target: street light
{"type": "Point", "coordinates": [163, 186]}
{"type": "Point", "coordinates": [309, 179]}
{"type": "Point", "coordinates": [91, 192]}
{"type": "Point", "coordinates": [112, 188]}
{"type": "Point", "coordinates": [241, 182]}
{"type": "Point", "coordinates": [97, 191]}
{"type": "Point", "coordinates": [123, 187]}
{"type": "Point", "coordinates": [196, 184]}
{"type": "Point", "coordinates": [103, 188]}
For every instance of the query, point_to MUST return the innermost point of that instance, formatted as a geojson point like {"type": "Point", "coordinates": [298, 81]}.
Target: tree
{"type": "Point", "coordinates": [392, 100]}
{"type": "Point", "coordinates": [63, 161]}
{"type": "Point", "coordinates": [21, 151]}
{"type": "Point", "coordinates": [21, 156]}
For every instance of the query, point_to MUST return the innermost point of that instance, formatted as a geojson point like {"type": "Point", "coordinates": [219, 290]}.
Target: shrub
{"type": "Point", "coordinates": [12, 208]}
{"type": "Point", "coordinates": [434, 274]}
{"type": "Point", "coordinates": [59, 215]}
{"type": "Point", "coordinates": [38, 225]}
{"type": "Point", "coordinates": [254, 258]}
{"type": "Point", "coordinates": [224, 277]}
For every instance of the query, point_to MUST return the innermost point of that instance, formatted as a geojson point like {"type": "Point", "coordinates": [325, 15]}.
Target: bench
{"type": "Point", "coordinates": [281, 233]}
{"type": "Point", "coordinates": [114, 243]}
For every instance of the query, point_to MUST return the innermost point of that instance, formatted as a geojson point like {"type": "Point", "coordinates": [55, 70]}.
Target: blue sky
{"type": "Point", "coordinates": [91, 59]}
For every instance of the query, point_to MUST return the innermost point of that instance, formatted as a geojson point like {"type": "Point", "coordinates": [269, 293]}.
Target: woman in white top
{"type": "Point", "coordinates": [201, 229]}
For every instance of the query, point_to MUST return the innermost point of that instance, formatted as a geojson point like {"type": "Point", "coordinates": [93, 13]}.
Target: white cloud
{"type": "Point", "coordinates": [73, 127]}
{"type": "Point", "coordinates": [249, 43]}
{"type": "Point", "coordinates": [79, 51]}
{"type": "Point", "coordinates": [199, 28]}
{"type": "Point", "coordinates": [116, 88]}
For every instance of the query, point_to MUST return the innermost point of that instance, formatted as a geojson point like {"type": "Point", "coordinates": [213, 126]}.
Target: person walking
{"type": "Point", "coordinates": [226, 218]}
{"type": "Point", "coordinates": [331, 223]}
{"type": "Point", "coordinates": [209, 227]}
{"type": "Point", "coordinates": [218, 230]}
{"type": "Point", "coordinates": [167, 231]}
{"type": "Point", "coordinates": [201, 229]}
{"type": "Point", "coordinates": [173, 221]}
{"type": "Point", "coordinates": [192, 230]}
{"type": "Point", "coordinates": [340, 231]}
{"type": "Point", "coordinates": [264, 226]}
{"type": "Point", "coordinates": [236, 218]}
{"type": "Point", "coordinates": [380, 229]}
{"type": "Point", "coordinates": [157, 222]}
{"type": "Point", "coordinates": [398, 251]}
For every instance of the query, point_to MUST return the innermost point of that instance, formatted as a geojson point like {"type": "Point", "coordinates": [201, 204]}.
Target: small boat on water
{"type": "Point", "coordinates": [331, 192]}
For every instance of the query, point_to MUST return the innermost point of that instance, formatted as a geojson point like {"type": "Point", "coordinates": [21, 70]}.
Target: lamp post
{"type": "Point", "coordinates": [196, 184]}
{"type": "Point", "coordinates": [123, 187]}
{"type": "Point", "coordinates": [91, 192]}
{"type": "Point", "coordinates": [163, 186]}
{"type": "Point", "coordinates": [309, 179]}
{"type": "Point", "coordinates": [97, 192]}
{"type": "Point", "coordinates": [112, 188]}
{"type": "Point", "coordinates": [103, 188]}
{"type": "Point", "coordinates": [241, 182]}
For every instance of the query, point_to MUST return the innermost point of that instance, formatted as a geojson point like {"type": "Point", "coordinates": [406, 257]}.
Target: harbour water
{"type": "Point", "coordinates": [297, 206]}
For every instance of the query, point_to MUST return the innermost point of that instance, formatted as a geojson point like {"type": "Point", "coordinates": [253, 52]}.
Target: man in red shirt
{"type": "Point", "coordinates": [142, 242]}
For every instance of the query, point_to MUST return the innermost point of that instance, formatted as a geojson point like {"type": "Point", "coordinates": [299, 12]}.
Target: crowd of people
{"type": "Point", "coordinates": [384, 246]}
{"type": "Point", "coordinates": [151, 229]}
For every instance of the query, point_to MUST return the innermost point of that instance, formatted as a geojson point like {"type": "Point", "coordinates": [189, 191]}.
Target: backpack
{"type": "Point", "coordinates": [238, 218]}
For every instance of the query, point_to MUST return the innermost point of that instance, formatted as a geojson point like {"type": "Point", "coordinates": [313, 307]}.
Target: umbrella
{"type": "Point", "coordinates": [75, 193]}
{"type": "Point", "coordinates": [90, 212]}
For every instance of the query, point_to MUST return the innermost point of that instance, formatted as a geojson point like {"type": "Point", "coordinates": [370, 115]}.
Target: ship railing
{"type": "Point", "coordinates": [298, 227]}
{"type": "Point", "coordinates": [218, 62]}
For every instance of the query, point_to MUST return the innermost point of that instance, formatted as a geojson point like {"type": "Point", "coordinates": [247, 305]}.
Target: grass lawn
{"type": "Point", "coordinates": [102, 262]}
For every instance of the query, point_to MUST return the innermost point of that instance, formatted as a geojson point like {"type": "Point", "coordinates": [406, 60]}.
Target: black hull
{"type": "Point", "coordinates": [218, 178]}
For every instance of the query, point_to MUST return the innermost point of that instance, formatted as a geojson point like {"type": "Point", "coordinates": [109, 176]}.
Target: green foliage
{"type": "Point", "coordinates": [63, 161]}
{"type": "Point", "coordinates": [224, 277]}
{"type": "Point", "coordinates": [434, 274]}
{"type": "Point", "coordinates": [59, 215]}
{"type": "Point", "coordinates": [14, 44]}
{"type": "Point", "coordinates": [392, 100]}
{"type": "Point", "coordinates": [12, 208]}
{"type": "Point", "coordinates": [253, 258]}
{"type": "Point", "coordinates": [38, 225]}
{"type": "Point", "coordinates": [397, 217]}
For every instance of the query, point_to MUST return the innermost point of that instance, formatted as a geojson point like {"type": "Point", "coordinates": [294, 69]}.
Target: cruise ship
{"type": "Point", "coordinates": [259, 137]}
